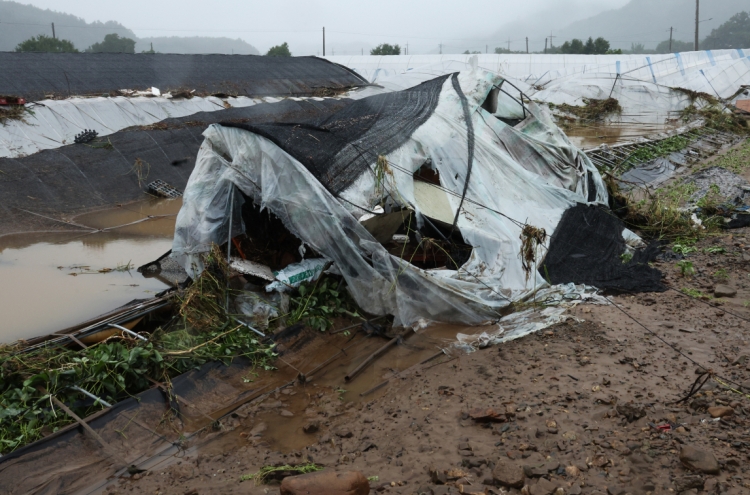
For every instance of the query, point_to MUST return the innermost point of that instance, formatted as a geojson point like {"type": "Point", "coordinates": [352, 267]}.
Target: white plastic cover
{"type": "Point", "coordinates": [641, 83]}
{"type": "Point", "coordinates": [50, 124]}
{"type": "Point", "coordinates": [524, 175]}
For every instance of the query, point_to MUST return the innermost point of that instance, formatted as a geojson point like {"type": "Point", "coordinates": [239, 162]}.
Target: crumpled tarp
{"type": "Point", "coordinates": [529, 174]}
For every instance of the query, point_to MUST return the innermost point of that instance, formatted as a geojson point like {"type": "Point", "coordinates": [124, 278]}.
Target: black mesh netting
{"type": "Point", "coordinates": [339, 148]}
{"type": "Point", "coordinates": [586, 249]}
{"type": "Point", "coordinates": [79, 177]}
{"type": "Point", "coordinates": [34, 75]}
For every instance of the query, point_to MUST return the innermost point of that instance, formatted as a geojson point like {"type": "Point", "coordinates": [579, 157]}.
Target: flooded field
{"type": "Point", "coordinates": [587, 136]}
{"type": "Point", "coordinates": [49, 281]}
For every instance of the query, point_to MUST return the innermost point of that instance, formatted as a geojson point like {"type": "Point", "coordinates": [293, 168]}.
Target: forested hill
{"type": "Point", "coordinates": [648, 21]}
{"type": "Point", "coordinates": [19, 22]}
{"type": "Point", "coordinates": [196, 44]}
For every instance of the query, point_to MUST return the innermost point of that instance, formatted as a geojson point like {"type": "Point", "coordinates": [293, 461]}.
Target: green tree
{"type": "Point", "coordinates": [44, 43]}
{"type": "Point", "coordinates": [601, 46]}
{"type": "Point", "coordinates": [592, 46]}
{"type": "Point", "coordinates": [735, 33]}
{"type": "Point", "coordinates": [467, 52]}
{"type": "Point", "coordinates": [637, 48]}
{"type": "Point", "coordinates": [281, 50]}
{"type": "Point", "coordinates": [113, 44]}
{"type": "Point", "coordinates": [677, 46]}
{"type": "Point", "coordinates": [386, 49]}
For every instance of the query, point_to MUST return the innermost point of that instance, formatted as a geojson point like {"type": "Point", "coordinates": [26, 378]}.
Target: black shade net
{"type": "Point", "coordinates": [35, 75]}
{"type": "Point", "coordinates": [339, 148]}
{"type": "Point", "coordinates": [586, 248]}
{"type": "Point", "coordinates": [78, 177]}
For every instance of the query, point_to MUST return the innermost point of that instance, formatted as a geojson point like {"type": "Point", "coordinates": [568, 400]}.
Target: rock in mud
{"type": "Point", "coordinates": [699, 460]}
{"type": "Point", "coordinates": [311, 427]}
{"type": "Point", "coordinates": [687, 482]}
{"type": "Point", "coordinates": [720, 411]}
{"type": "Point", "coordinates": [722, 290]}
{"type": "Point", "coordinates": [508, 473]}
{"type": "Point", "coordinates": [631, 411]}
{"type": "Point", "coordinates": [543, 487]}
{"type": "Point", "coordinates": [326, 483]}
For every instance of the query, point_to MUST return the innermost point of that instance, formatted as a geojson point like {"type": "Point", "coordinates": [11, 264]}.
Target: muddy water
{"type": "Point", "coordinates": [49, 281]}
{"type": "Point", "coordinates": [587, 136]}
{"type": "Point", "coordinates": [285, 434]}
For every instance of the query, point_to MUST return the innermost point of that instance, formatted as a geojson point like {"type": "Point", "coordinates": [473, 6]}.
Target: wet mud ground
{"type": "Point", "coordinates": [573, 406]}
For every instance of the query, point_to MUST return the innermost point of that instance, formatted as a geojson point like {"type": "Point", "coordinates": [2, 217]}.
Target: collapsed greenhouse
{"type": "Point", "coordinates": [443, 191]}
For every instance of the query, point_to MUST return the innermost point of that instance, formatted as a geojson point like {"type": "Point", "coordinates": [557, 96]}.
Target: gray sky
{"type": "Point", "coordinates": [350, 25]}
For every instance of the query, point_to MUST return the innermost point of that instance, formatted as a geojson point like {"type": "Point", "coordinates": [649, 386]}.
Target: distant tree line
{"type": "Point", "coordinates": [386, 49]}
{"type": "Point", "coordinates": [112, 43]}
{"type": "Point", "coordinates": [735, 33]}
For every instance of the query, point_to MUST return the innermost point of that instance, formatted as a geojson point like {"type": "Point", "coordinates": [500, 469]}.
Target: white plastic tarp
{"type": "Point", "coordinates": [524, 175]}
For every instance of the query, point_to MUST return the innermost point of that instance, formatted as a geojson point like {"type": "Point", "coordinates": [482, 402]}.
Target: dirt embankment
{"type": "Point", "coordinates": [589, 406]}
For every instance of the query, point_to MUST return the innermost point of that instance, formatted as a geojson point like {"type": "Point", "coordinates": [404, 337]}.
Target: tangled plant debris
{"type": "Point", "coordinates": [592, 109]}
{"type": "Point", "coordinates": [278, 472]}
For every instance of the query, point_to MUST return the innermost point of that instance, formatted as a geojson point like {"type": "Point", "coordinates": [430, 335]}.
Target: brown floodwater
{"type": "Point", "coordinates": [50, 281]}
{"type": "Point", "coordinates": [587, 136]}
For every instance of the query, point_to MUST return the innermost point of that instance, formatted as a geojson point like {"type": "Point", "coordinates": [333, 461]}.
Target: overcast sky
{"type": "Point", "coordinates": [350, 25]}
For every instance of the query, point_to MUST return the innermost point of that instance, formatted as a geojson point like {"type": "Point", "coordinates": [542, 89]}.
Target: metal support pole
{"type": "Point", "coordinates": [251, 328]}
{"type": "Point", "coordinates": [92, 396]}
{"type": "Point", "coordinates": [229, 238]}
{"type": "Point", "coordinates": [324, 42]}
{"type": "Point", "coordinates": [128, 331]}
{"type": "Point", "coordinates": [697, 21]}
{"type": "Point", "coordinates": [53, 31]}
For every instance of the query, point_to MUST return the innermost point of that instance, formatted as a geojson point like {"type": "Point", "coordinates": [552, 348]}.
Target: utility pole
{"type": "Point", "coordinates": [670, 39]}
{"type": "Point", "coordinates": [324, 42]}
{"type": "Point", "coordinates": [545, 45]}
{"type": "Point", "coordinates": [441, 48]}
{"type": "Point", "coordinates": [53, 31]}
{"type": "Point", "coordinates": [486, 49]}
{"type": "Point", "coordinates": [508, 44]}
{"type": "Point", "coordinates": [527, 44]}
{"type": "Point", "coordinates": [697, 15]}
{"type": "Point", "coordinates": [407, 48]}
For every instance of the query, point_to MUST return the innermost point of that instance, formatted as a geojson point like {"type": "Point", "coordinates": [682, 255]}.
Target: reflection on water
{"type": "Point", "coordinates": [587, 136]}
{"type": "Point", "coordinates": [50, 281]}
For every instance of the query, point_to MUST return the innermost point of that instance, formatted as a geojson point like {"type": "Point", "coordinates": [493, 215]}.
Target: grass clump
{"type": "Point", "coordinates": [318, 303]}
{"type": "Point", "coordinates": [736, 160]}
{"type": "Point", "coordinates": [717, 117]}
{"type": "Point", "coordinates": [686, 268]}
{"type": "Point", "coordinates": [267, 472]}
{"type": "Point", "coordinates": [12, 112]}
{"type": "Point", "coordinates": [593, 109]}
{"type": "Point", "coordinates": [661, 214]}
{"type": "Point", "coordinates": [659, 149]}
{"type": "Point", "coordinates": [696, 293]}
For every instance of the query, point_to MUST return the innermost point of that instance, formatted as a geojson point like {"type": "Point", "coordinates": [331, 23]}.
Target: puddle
{"type": "Point", "coordinates": [50, 281]}
{"type": "Point", "coordinates": [285, 434]}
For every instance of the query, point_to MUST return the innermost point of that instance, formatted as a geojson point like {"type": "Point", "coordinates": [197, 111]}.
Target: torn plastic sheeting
{"type": "Point", "coordinates": [260, 307]}
{"type": "Point", "coordinates": [642, 84]}
{"type": "Point", "coordinates": [503, 186]}
{"type": "Point", "coordinates": [557, 300]}
{"type": "Point", "coordinates": [248, 267]}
